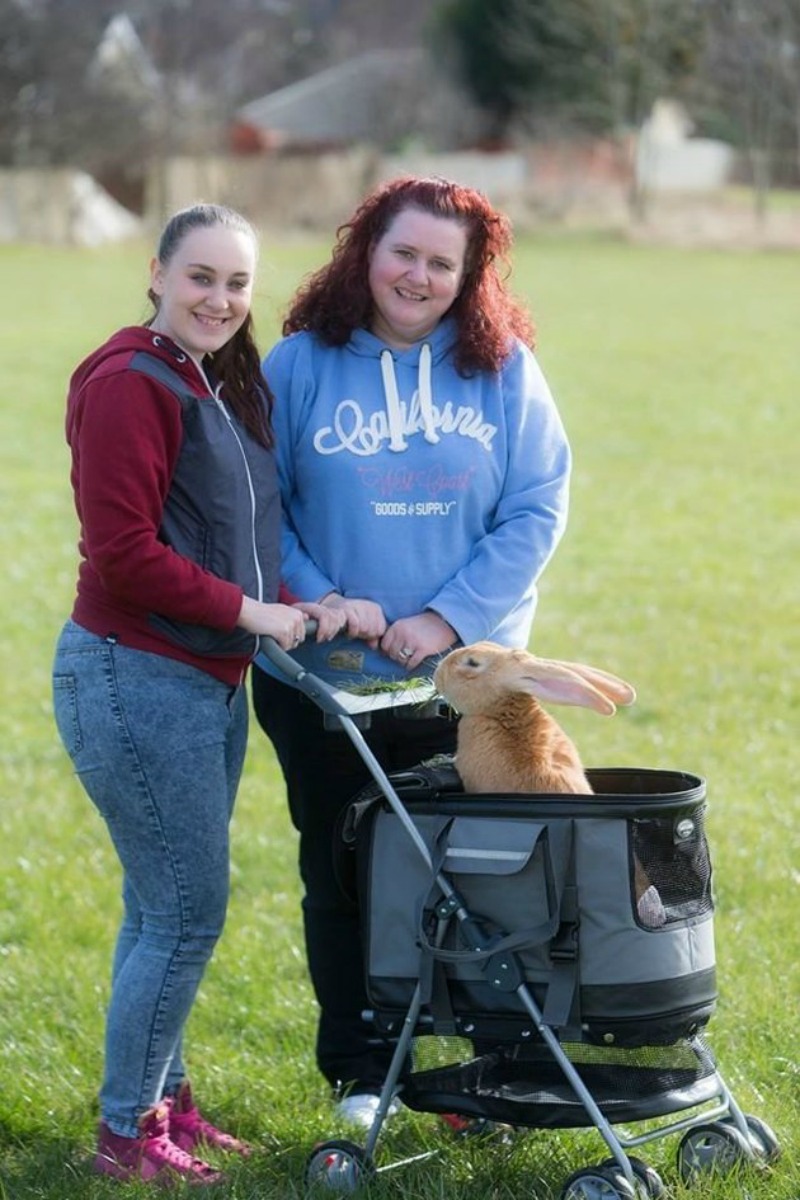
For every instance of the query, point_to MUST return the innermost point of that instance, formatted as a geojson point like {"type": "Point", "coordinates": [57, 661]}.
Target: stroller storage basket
{"type": "Point", "coordinates": [524, 1085]}
{"type": "Point", "coordinates": [600, 905]}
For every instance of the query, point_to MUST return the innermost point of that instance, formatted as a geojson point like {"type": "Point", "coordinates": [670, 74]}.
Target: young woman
{"type": "Point", "coordinates": [424, 473]}
{"type": "Point", "coordinates": [177, 499]}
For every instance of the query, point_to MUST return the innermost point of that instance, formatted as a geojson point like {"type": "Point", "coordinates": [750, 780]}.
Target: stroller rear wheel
{"type": "Point", "coordinates": [718, 1147]}
{"type": "Point", "coordinates": [766, 1144]}
{"type": "Point", "coordinates": [338, 1166]}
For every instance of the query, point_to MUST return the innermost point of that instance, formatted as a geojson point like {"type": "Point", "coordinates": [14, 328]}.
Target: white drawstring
{"type": "Point", "coordinates": [394, 410]}
{"type": "Point", "coordinates": [426, 394]}
{"type": "Point", "coordinates": [395, 414]}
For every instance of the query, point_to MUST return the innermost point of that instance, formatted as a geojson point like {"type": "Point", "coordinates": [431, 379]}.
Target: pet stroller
{"type": "Point", "coordinates": [543, 962]}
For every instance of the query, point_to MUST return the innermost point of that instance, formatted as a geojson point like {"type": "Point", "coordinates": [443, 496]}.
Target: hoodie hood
{"type": "Point", "coordinates": [441, 340]}
{"type": "Point", "coordinates": [115, 355]}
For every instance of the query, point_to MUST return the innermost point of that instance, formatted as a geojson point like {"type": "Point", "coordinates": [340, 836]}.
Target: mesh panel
{"type": "Point", "coordinates": [673, 853]}
{"type": "Point", "coordinates": [429, 1053]}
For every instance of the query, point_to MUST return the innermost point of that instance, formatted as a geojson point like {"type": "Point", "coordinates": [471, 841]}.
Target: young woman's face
{"type": "Point", "coordinates": [205, 289]}
{"type": "Point", "coordinates": [415, 274]}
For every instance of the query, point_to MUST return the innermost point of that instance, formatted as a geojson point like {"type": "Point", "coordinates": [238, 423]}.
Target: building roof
{"type": "Point", "coordinates": [121, 59]}
{"type": "Point", "coordinates": [355, 101]}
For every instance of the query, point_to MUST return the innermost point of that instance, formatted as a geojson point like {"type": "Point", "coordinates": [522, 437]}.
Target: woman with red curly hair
{"type": "Point", "coordinates": [424, 474]}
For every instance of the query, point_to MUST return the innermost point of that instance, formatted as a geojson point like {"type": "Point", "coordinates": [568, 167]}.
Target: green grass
{"type": "Point", "coordinates": [677, 375]}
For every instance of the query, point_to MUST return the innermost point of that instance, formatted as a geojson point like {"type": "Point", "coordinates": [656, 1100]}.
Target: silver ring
{"type": "Point", "coordinates": [405, 652]}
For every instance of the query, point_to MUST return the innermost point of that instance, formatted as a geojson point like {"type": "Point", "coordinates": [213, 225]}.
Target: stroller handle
{"type": "Point", "coordinates": [294, 672]}
{"type": "Point", "coordinates": [320, 693]}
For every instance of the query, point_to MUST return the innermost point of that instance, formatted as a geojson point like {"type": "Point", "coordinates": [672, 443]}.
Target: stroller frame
{"type": "Point", "coordinates": [718, 1135]}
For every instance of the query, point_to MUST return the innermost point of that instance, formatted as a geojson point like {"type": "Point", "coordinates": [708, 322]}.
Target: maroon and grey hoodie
{"type": "Point", "coordinates": [178, 506]}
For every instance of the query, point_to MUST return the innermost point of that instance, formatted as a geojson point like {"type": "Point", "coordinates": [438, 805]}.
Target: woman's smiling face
{"type": "Point", "coordinates": [415, 272]}
{"type": "Point", "coordinates": [205, 289]}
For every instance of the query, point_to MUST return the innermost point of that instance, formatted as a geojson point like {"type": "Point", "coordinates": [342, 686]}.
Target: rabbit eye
{"type": "Point", "coordinates": [472, 662]}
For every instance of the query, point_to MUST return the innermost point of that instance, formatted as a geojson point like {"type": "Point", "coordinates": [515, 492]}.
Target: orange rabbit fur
{"type": "Point", "coordinates": [508, 743]}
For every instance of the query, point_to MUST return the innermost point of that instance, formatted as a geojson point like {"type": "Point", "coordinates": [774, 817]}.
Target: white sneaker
{"type": "Point", "coordinates": [359, 1108]}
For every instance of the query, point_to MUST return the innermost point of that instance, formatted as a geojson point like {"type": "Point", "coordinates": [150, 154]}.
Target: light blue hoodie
{"type": "Point", "coordinates": [407, 484]}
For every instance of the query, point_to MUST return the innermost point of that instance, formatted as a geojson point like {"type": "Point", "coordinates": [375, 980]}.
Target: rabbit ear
{"type": "Point", "coordinates": [616, 689]}
{"type": "Point", "coordinates": [574, 683]}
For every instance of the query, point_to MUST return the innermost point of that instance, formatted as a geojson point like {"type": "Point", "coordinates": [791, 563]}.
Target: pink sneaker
{"type": "Point", "coordinates": [188, 1129]}
{"type": "Point", "coordinates": [150, 1156]}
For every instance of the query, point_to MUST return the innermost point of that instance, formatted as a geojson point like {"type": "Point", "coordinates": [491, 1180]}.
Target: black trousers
{"type": "Point", "coordinates": [323, 771]}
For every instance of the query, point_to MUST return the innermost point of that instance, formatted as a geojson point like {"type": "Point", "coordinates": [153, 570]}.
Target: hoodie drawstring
{"type": "Point", "coordinates": [394, 411]}
{"type": "Point", "coordinates": [426, 394]}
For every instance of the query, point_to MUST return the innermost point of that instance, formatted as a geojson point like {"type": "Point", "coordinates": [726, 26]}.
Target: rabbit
{"type": "Point", "coordinates": [506, 741]}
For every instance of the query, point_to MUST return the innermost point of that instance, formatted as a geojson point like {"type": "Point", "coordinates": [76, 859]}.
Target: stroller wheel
{"type": "Point", "coordinates": [338, 1166]}
{"type": "Point", "coordinates": [598, 1183]}
{"type": "Point", "coordinates": [764, 1141]}
{"type": "Point", "coordinates": [718, 1147]}
{"type": "Point", "coordinates": [646, 1174]}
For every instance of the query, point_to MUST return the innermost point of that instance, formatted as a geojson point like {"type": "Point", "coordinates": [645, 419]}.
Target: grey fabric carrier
{"type": "Point", "coordinates": [552, 881]}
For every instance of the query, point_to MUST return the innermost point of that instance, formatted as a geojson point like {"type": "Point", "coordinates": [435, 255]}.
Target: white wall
{"type": "Point", "coordinates": [696, 165]}
{"type": "Point", "coordinates": [62, 207]}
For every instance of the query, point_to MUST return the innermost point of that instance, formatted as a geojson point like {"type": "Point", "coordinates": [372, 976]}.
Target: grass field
{"type": "Point", "coordinates": [677, 375]}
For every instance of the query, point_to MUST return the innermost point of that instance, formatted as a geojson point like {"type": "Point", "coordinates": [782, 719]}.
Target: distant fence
{"type": "Point", "coordinates": [301, 191]}
{"type": "Point", "coordinates": [317, 191]}
{"type": "Point", "coordinates": [575, 183]}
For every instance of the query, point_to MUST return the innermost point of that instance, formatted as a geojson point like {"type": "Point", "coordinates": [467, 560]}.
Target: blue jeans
{"type": "Point", "coordinates": [159, 747]}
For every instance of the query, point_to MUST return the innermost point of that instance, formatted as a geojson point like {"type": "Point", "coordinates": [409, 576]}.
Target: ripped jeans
{"type": "Point", "coordinates": [159, 747]}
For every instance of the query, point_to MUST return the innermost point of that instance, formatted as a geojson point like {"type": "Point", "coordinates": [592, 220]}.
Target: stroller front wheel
{"type": "Point", "coordinates": [645, 1174]}
{"type": "Point", "coordinates": [598, 1183]}
{"type": "Point", "coordinates": [338, 1166]}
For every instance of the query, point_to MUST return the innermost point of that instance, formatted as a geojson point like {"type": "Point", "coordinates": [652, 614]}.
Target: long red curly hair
{"type": "Point", "coordinates": [336, 299]}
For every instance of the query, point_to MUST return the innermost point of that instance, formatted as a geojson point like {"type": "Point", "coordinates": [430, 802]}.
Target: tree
{"type": "Point", "coordinates": [594, 64]}
{"type": "Point", "coordinates": [517, 57]}
{"type": "Point", "coordinates": [43, 54]}
{"type": "Point", "coordinates": [752, 71]}
{"type": "Point", "coordinates": [208, 59]}
{"type": "Point", "coordinates": [59, 103]}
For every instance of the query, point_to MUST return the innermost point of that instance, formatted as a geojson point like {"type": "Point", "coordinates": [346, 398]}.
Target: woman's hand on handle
{"type": "Point", "coordinates": [286, 623]}
{"type": "Point", "coordinates": [363, 619]}
{"type": "Point", "coordinates": [412, 639]}
{"type": "Point", "coordinates": [283, 622]}
{"type": "Point", "coordinates": [329, 621]}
